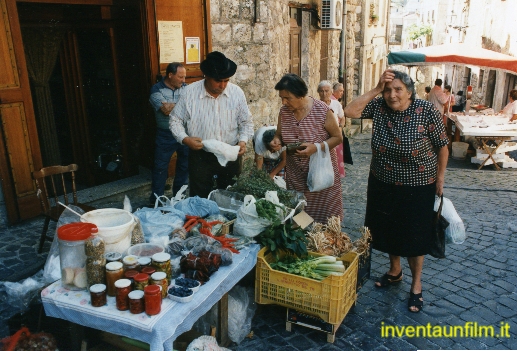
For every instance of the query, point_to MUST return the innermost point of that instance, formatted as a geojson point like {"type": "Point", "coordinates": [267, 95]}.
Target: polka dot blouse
{"type": "Point", "coordinates": [403, 142]}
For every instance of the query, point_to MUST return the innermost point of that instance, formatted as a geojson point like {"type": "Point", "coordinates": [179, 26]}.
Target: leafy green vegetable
{"type": "Point", "coordinates": [317, 268]}
{"type": "Point", "coordinates": [256, 182]}
{"type": "Point", "coordinates": [282, 237]}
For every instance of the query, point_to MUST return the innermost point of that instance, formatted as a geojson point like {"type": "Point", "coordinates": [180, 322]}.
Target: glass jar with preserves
{"type": "Point", "coordinates": [114, 272]}
{"type": "Point", "coordinates": [144, 262]}
{"type": "Point", "coordinates": [160, 278]}
{"type": "Point", "coordinates": [148, 270]}
{"type": "Point", "coordinates": [162, 262]}
{"type": "Point", "coordinates": [123, 289]}
{"type": "Point", "coordinates": [95, 260]}
{"type": "Point", "coordinates": [153, 299]}
{"type": "Point", "coordinates": [131, 276]}
{"type": "Point", "coordinates": [141, 280]}
{"type": "Point", "coordinates": [136, 301]}
{"type": "Point", "coordinates": [98, 295]}
{"type": "Point", "coordinates": [130, 263]}
{"type": "Point", "coordinates": [72, 257]}
{"type": "Point", "coordinates": [113, 256]}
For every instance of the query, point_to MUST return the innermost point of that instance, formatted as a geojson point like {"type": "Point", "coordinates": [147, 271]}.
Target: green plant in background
{"type": "Point", "coordinates": [415, 32]}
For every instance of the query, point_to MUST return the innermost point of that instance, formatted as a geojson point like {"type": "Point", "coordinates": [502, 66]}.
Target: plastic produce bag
{"type": "Point", "coordinates": [158, 223]}
{"type": "Point", "coordinates": [280, 182]}
{"type": "Point", "coordinates": [248, 222]}
{"type": "Point", "coordinates": [241, 309]}
{"type": "Point", "coordinates": [224, 152]}
{"type": "Point", "coordinates": [455, 232]}
{"type": "Point", "coordinates": [18, 295]}
{"type": "Point", "coordinates": [166, 202]}
{"type": "Point", "coordinates": [321, 172]}
{"type": "Point", "coordinates": [197, 206]}
{"type": "Point", "coordinates": [205, 343]}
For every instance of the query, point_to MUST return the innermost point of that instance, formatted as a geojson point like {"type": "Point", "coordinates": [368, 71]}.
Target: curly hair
{"type": "Point", "coordinates": [268, 137]}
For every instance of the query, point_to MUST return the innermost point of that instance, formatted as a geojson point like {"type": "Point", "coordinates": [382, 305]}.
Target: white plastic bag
{"type": "Point", "coordinates": [166, 202]}
{"type": "Point", "coordinates": [455, 232]}
{"type": "Point", "coordinates": [224, 152]}
{"type": "Point", "coordinates": [280, 182]}
{"type": "Point", "coordinates": [321, 172]}
{"type": "Point", "coordinates": [248, 222]}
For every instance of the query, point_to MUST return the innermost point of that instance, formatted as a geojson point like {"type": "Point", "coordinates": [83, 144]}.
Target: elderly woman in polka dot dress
{"type": "Point", "coordinates": [409, 157]}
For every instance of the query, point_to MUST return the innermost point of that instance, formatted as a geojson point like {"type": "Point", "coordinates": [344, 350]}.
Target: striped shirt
{"type": "Point", "coordinates": [225, 118]}
{"type": "Point", "coordinates": [162, 93]}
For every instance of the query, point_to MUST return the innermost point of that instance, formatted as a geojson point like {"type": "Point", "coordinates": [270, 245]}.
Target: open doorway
{"type": "Point", "coordinates": [88, 86]}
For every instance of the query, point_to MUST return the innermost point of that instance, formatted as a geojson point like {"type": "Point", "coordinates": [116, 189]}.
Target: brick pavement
{"type": "Point", "coordinates": [476, 282]}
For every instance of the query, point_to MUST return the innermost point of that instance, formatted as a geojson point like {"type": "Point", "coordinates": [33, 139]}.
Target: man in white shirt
{"type": "Point", "coordinates": [437, 96]}
{"type": "Point", "coordinates": [212, 108]}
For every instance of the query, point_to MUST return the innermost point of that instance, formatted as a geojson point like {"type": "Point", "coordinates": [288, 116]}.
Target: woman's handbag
{"type": "Point", "coordinates": [347, 155]}
{"type": "Point", "coordinates": [321, 172]}
{"type": "Point", "coordinates": [439, 226]}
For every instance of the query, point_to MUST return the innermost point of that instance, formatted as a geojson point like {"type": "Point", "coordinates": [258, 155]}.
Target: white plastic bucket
{"type": "Point", "coordinates": [459, 150]}
{"type": "Point", "coordinates": [114, 225]}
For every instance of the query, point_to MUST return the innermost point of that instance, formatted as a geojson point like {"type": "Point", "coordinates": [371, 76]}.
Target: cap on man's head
{"type": "Point", "coordinates": [218, 66]}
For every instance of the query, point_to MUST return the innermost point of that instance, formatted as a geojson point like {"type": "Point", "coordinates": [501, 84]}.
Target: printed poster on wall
{"type": "Point", "coordinates": [193, 52]}
{"type": "Point", "coordinates": [170, 34]}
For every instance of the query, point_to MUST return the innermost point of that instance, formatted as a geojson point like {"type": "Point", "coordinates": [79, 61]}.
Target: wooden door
{"type": "Point", "coordinates": [295, 47]}
{"type": "Point", "coordinates": [195, 18]}
{"type": "Point", "coordinates": [19, 146]}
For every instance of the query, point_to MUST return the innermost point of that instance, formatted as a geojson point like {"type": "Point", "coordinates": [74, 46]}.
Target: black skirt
{"type": "Point", "coordinates": [400, 218]}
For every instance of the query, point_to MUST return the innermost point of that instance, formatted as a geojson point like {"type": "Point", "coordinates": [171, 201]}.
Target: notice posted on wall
{"type": "Point", "coordinates": [170, 34]}
{"type": "Point", "coordinates": [193, 53]}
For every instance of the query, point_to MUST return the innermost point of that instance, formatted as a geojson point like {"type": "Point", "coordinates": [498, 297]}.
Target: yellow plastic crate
{"type": "Point", "coordinates": [330, 299]}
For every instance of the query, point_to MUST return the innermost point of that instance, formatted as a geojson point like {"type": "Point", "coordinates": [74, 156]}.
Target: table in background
{"type": "Point", "coordinates": [496, 129]}
{"type": "Point", "coordinates": [161, 330]}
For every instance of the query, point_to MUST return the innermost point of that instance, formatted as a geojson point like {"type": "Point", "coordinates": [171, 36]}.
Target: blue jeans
{"type": "Point", "coordinates": [166, 145]}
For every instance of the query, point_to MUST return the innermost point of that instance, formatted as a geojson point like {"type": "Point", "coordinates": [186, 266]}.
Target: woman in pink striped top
{"type": "Point", "coordinates": [305, 119]}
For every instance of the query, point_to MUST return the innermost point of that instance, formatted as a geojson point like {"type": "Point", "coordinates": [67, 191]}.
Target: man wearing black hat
{"type": "Point", "coordinates": [212, 108]}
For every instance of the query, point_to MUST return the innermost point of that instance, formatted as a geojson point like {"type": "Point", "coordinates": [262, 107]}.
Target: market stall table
{"type": "Point", "coordinates": [493, 129]}
{"type": "Point", "coordinates": [161, 330]}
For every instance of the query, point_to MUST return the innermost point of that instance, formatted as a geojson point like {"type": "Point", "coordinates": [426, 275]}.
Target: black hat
{"type": "Point", "coordinates": [218, 66]}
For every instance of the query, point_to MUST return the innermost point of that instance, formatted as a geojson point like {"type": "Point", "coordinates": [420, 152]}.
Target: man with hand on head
{"type": "Point", "coordinates": [164, 96]}
{"type": "Point", "coordinates": [212, 108]}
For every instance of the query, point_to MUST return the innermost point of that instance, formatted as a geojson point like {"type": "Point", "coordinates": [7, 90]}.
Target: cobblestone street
{"type": "Point", "coordinates": [476, 282]}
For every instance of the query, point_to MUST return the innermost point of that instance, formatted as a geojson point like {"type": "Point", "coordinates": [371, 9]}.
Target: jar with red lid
{"type": "Point", "coordinates": [160, 278]}
{"type": "Point", "coordinates": [136, 301]}
{"type": "Point", "coordinates": [114, 272]}
{"type": "Point", "coordinates": [72, 256]}
{"type": "Point", "coordinates": [123, 289]}
{"type": "Point", "coordinates": [98, 295]}
{"type": "Point", "coordinates": [153, 299]}
{"type": "Point", "coordinates": [131, 276]}
{"type": "Point", "coordinates": [148, 270]}
{"type": "Point", "coordinates": [141, 280]}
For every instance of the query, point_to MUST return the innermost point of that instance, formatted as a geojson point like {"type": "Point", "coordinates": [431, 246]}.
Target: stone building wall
{"type": "Point", "coordinates": [261, 50]}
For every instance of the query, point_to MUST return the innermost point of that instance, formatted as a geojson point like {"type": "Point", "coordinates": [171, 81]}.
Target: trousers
{"type": "Point", "coordinates": [166, 145]}
{"type": "Point", "coordinates": [206, 174]}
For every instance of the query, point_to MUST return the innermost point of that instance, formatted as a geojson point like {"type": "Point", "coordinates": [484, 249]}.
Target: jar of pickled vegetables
{"type": "Point", "coordinates": [141, 280]}
{"type": "Point", "coordinates": [131, 263]}
{"type": "Point", "coordinates": [160, 278]}
{"type": "Point", "coordinates": [162, 262]}
{"type": "Point", "coordinates": [144, 262]}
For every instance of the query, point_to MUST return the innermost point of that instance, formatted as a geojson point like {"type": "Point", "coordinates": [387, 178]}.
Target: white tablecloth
{"type": "Point", "coordinates": [482, 126]}
{"type": "Point", "coordinates": [159, 331]}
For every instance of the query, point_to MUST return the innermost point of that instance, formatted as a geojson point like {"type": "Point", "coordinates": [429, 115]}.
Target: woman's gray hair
{"type": "Point", "coordinates": [324, 83]}
{"type": "Point", "coordinates": [407, 81]}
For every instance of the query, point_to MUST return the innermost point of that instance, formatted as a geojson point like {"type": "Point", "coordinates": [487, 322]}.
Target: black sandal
{"type": "Point", "coordinates": [388, 279]}
{"type": "Point", "coordinates": [415, 300]}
